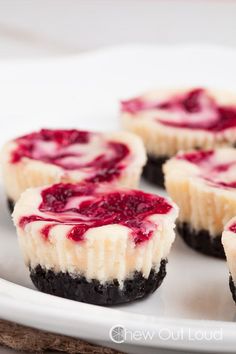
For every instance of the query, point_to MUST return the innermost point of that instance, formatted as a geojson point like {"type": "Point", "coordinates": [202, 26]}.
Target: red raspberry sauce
{"type": "Point", "coordinates": [205, 160]}
{"type": "Point", "coordinates": [128, 208]}
{"type": "Point", "coordinates": [196, 157]}
{"type": "Point", "coordinates": [104, 167]}
{"type": "Point", "coordinates": [190, 103]}
{"type": "Point", "coordinates": [233, 228]}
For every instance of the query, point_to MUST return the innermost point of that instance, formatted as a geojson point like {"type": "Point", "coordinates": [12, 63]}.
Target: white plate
{"type": "Point", "coordinates": [83, 91]}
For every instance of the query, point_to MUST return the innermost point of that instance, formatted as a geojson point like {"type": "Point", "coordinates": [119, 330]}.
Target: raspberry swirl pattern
{"type": "Point", "coordinates": [53, 156]}
{"type": "Point", "coordinates": [233, 228]}
{"type": "Point", "coordinates": [87, 206]}
{"type": "Point", "coordinates": [216, 167]}
{"type": "Point", "coordinates": [196, 110]}
{"type": "Point", "coordinates": [71, 150]}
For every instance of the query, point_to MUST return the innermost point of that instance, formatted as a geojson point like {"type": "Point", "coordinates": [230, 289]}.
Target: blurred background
{"type": "Point", "coordinates": [33, 28]}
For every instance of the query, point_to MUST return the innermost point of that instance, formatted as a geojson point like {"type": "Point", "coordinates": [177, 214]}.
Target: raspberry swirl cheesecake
{"type": "Point", "coordinates": [203, 184]}
{"type": "Point", "coordinates": [53, 156]}
{"type": "Point", "coordinates": [95, 243]}
{"type": "Point", "coordinates": [172, 120]}
{"type": "Point", "coordinates": [229, 243]}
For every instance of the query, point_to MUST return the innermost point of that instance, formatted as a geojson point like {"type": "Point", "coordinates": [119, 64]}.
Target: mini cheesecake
{"type": "Point", "coordinates": [172, 120]}
{"type": "Point", "coordinates": [229, 243]}
{"type": "Point", "coordinates": [54, 156]}
{"type": "Point", "coordinates": [95, 243]}
{"type": "Point", "coordinates": [203, 185]}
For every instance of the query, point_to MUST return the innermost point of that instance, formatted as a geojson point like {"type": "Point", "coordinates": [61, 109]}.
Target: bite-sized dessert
{"type": "Point", "coordinates": [172, 120]}
{"type": "Point", "coordinates": [203, 184]}
{"type": "Point", "coordinates": [53, 156]}
{"type": "Point", "coordinates": [95, 243]}
{"type": "Point", "coordinates": [229, 243]}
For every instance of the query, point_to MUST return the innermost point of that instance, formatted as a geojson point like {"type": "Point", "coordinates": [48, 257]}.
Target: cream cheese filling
{"type": "Point", "coordinates": [203, 205]}
{"type": "Point", "coordinates": [27, 173]}
{"type": "Point", "coordinates": [162, 140]}
{"type": "Point", "coordinates": [107, 252]}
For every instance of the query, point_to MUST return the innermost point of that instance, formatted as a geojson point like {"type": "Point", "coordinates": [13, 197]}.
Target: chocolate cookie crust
{"type": "Point", "coordinates": [232, 288]}
{"type": "Point", "coordinates": [10, 205]}
{"type": "Point", "coordinates": [201, 240]}
{"type": "Point", "coordinates": [93, 292]}
{"type": "Point", "coordinates": [152, 171]}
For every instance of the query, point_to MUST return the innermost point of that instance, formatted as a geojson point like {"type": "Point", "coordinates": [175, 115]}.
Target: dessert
{"type": "Point", "coordinates": [203, 185]}
{"type": "Point", "coordinates": [172, 120]}
{"type": "Point", "coordinates": [229, 243]}
{"type": "Point", "coordinates": [95, 243]}
{"type": "Point", "coordinates": [53, 156]}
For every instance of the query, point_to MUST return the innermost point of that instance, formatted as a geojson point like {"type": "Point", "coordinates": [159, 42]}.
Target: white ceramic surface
{"type": "Point", "coordinates": [83, 91]}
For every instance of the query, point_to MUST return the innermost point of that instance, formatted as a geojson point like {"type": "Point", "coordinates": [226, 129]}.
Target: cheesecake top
{"type": "Point", "coordinates": [217, 168]}
{"type": "Point", "coordinates": [232, 227]}
{"type": "Point", "coordinates": [100, 156]}
{"type": "Point", "coordinates": [86, 205]}
{"type": "Point", "coordinates": [195, 109]}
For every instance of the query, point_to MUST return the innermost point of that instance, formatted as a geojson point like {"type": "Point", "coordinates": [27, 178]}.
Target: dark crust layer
{"type": "Point", "coordinates": [10, 205]}
{"type": "Point", "coordinates": [232, 288]}
{"type": "Point", "coordinates": [93, 292]}
{"type": "Point", "coordinates": [153, 170]}
{"type": "Point", "coordinates": [201, 240]}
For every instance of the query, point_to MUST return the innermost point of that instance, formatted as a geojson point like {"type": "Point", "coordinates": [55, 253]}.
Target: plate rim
{"type": "Point", "coordinates": [31, 302]}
